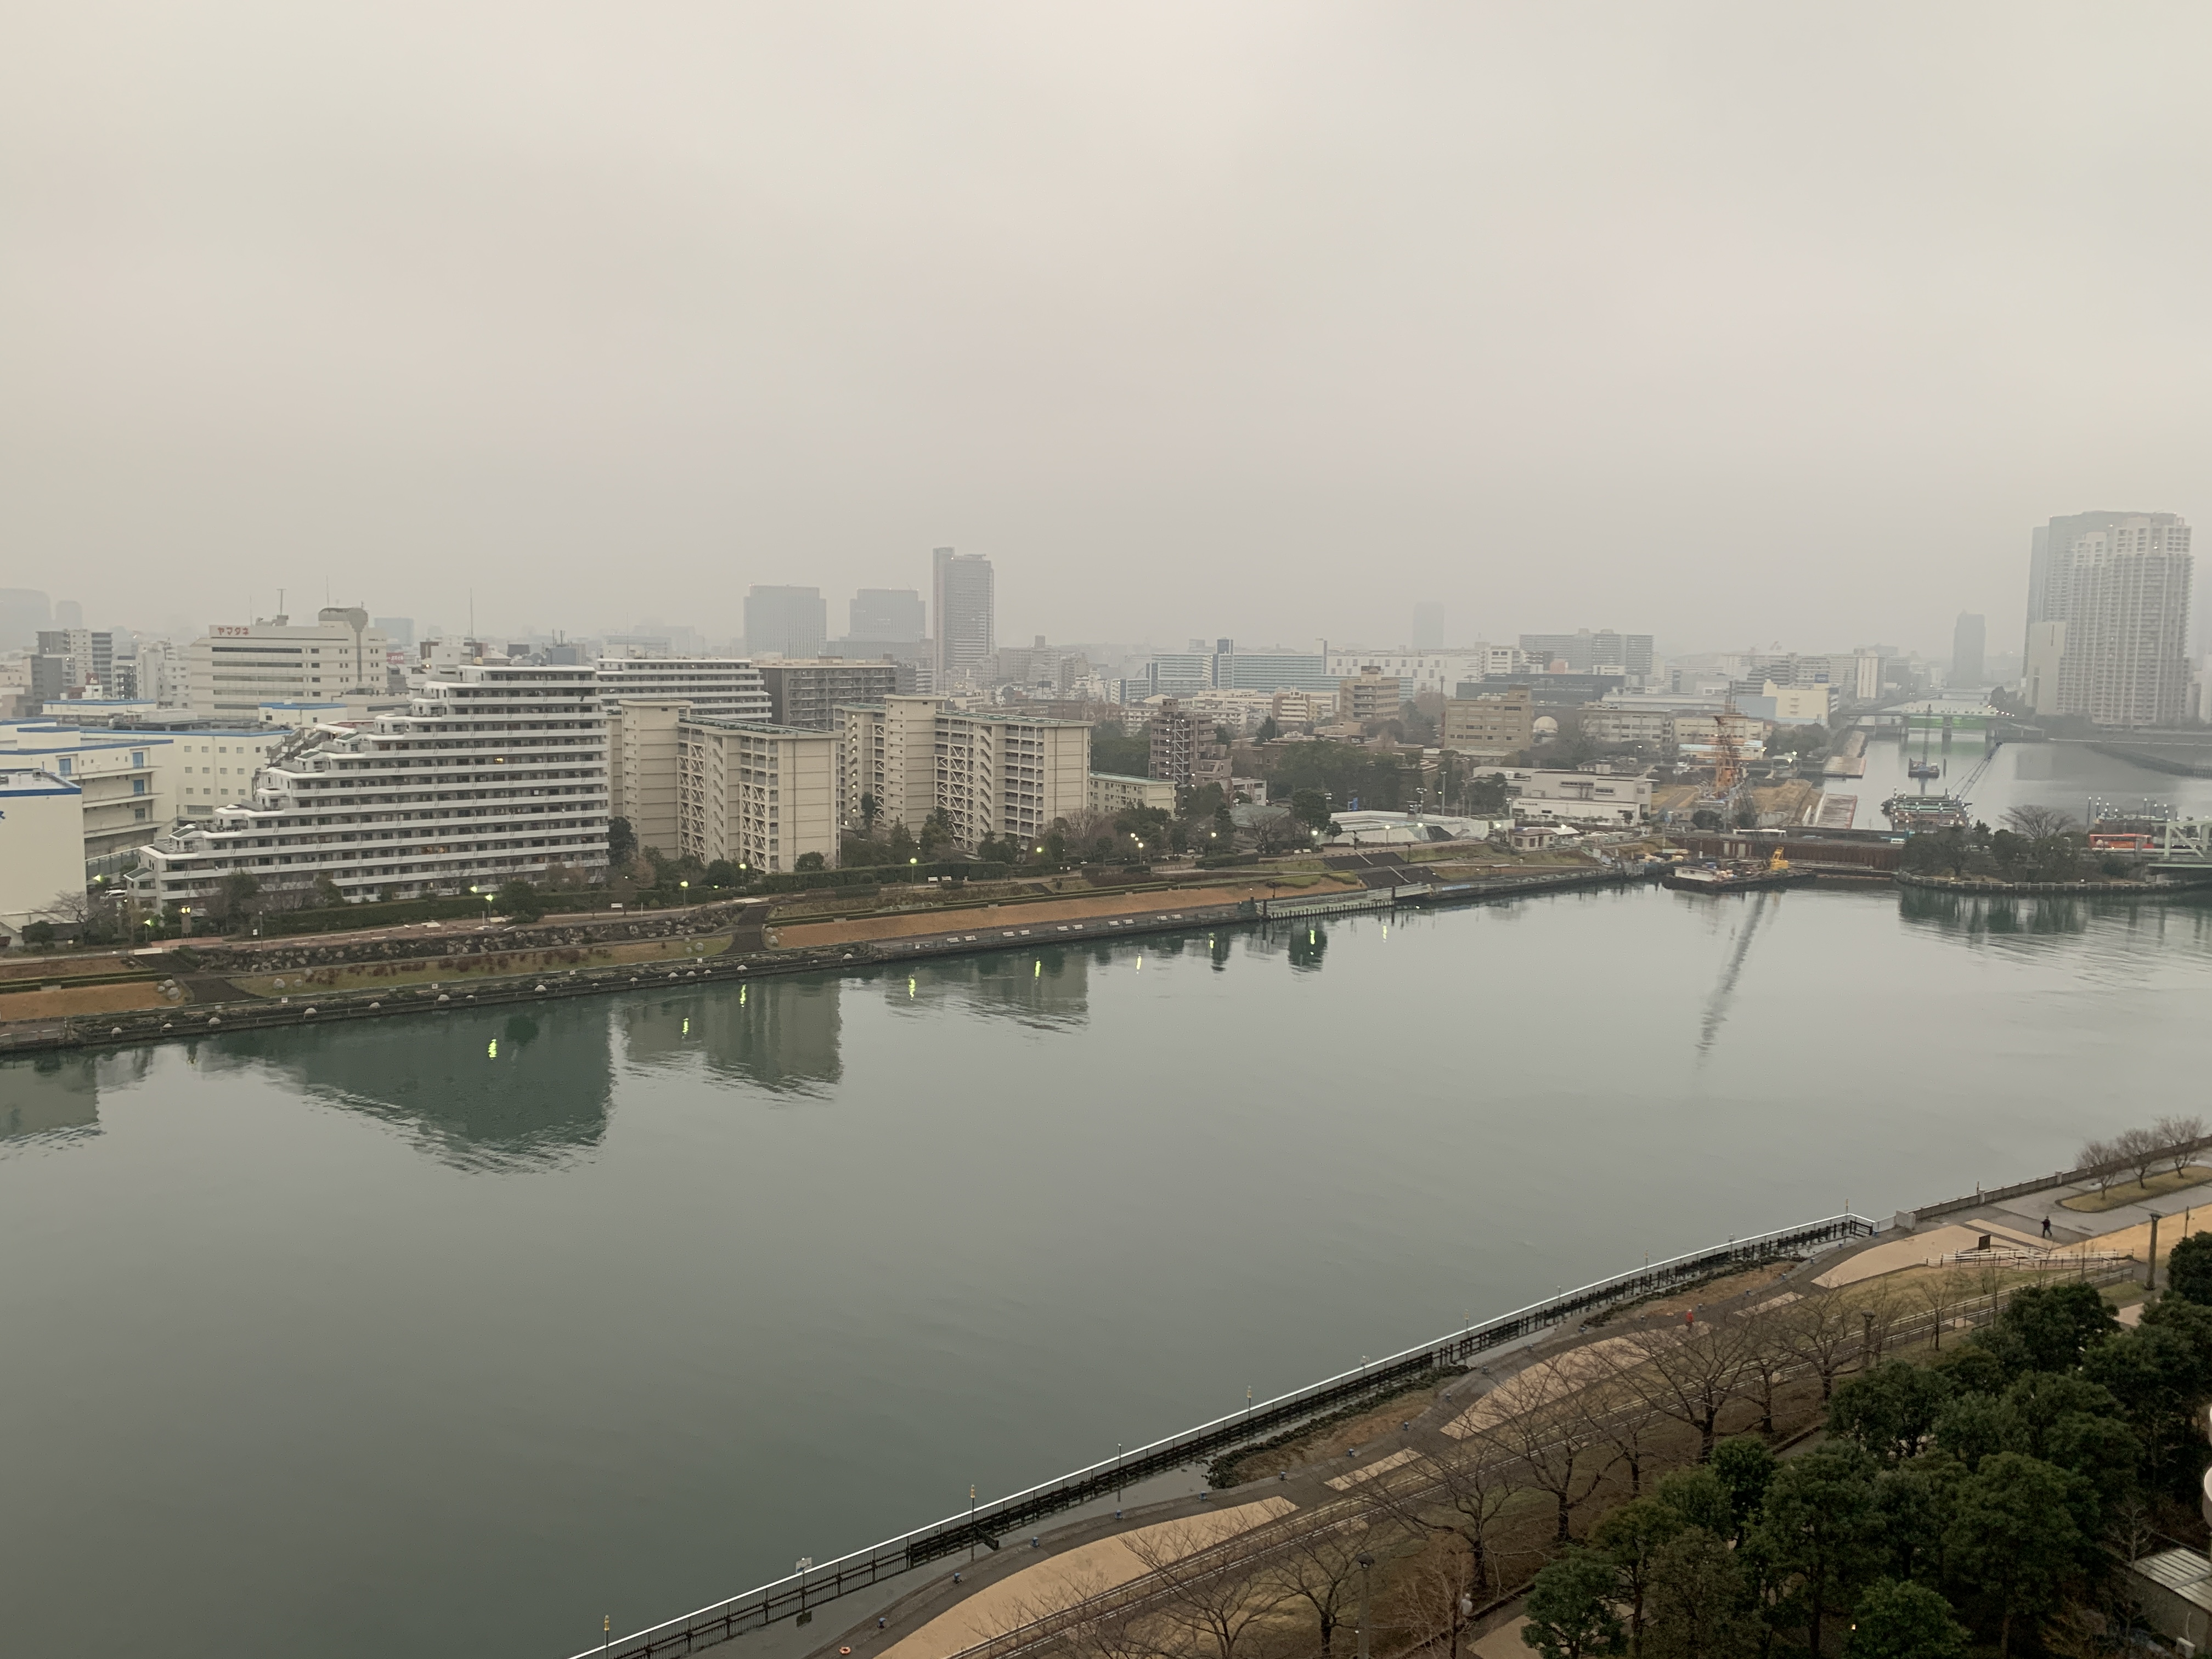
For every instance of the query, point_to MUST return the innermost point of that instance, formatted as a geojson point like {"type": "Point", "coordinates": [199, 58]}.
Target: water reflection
{"type": "Point", "coordinates": [2139, 923]}
{"type": "Point", "coordinates": [49, 1096]}
{"type": "Point", "coordinates": [1048, 987]}
{"type": "Point", "coordinates": [1716, 1007]}
{"type": "Point", "coordinates": [781, 1034]}
{"type": "Point", "coordinates": [490, 1090]}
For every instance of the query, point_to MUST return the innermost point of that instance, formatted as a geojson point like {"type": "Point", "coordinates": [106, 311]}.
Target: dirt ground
{"type": "Point", "coordinates": [915, 924]}
{"type": "Point", "coordinates": [79, 999]}
{"type": "Point", "coordinates": [424, 970]}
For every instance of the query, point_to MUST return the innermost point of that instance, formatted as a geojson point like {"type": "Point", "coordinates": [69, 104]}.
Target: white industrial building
{"type": "Point", "coordinates": [41, 844]}
{"type": "Point", "coordinates": [233, 670]}
{"type": "Point", "coordinates": [497, 774]}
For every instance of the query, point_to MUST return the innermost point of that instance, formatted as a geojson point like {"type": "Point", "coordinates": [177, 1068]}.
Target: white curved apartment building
{"type": "Point", "coordinates": [729, 687]}
{"type": "Point", "coordinates": [499, 773]}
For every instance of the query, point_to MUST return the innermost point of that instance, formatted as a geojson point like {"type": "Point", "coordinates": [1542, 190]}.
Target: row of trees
{"type": "Point", "coordinates": [2037, 844]}
{"type": "Point", "coordinates": [2172, 1141]}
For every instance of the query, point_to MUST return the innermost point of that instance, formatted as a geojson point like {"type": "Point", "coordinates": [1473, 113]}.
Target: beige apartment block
{"type": "Point", "coordinates": [1494, 724]}
{"type": "Point", "coordinates": [1372, 695]}
{"type": "Point", "coordinates": [990, 774]}
{"type": "Point", "coordinates": [1112, 792]}
{"type": "Point", "coordinates": [759, 795]}
{"type": "Point", "coordinates": [643, 755]}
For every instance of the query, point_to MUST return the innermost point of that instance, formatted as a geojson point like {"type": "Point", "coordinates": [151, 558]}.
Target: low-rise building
{"type": "Point", "coordinates": [1489, 725]}
{"type": "Point", "coordinates": [1580, 797]}
{"type": "Point", "coordinates": [126, 781]}
{"type": "Point", "coordinates": [41, 844]}
{"type": "Point", "coordinates": [1112, 792]}
{"type": "Point", "coordinates": [761, 796]}
{"type": "Point", "coordinates": [1701, 736]}
{"type": "Point", "coordinates": [1613, 723]}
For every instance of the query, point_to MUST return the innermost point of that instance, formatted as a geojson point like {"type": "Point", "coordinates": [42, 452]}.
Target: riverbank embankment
{"type": "Point", "coordinates": [181, 991]}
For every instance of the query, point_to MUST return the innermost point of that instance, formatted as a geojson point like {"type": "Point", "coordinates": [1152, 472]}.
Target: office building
{"type": "Point", "coordinates": [232, 670]}
{"type": "Point", "coordinates": [990, 774]}
{"type": "Point", "coordinates": [1489, 725]}
{"type": "Point", "coordinates": [807, 693]}
{"type": "Point", "coordinates": [730, 688]}
{"type": "Point", "coordinates": [760, 796]}
{"type": "Point", "coordinates": [41, 844]}
{"type": "Point", "coordinates": [895, 615]}
{"type": "Point", "coordinates": [2109, 600]}
{"type": "Point", "coordinates": [786, 621]}
{"type": "Point", "coordinates": [1586, 653]}
{"type": "Point", "coordinates": [1416, 671]}
{"type": "Point", "coordinates": [963, 604]}
{"type": "Point", "coordinates": [498, 775]}
{"type": "Point", "coordinates": [1969, 639]}
{"type": "Point", "coordinates": [644, 752]}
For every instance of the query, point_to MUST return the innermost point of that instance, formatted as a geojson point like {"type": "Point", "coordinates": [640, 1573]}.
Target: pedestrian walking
{"type": "Point", "coordinates": [2046, 1226]}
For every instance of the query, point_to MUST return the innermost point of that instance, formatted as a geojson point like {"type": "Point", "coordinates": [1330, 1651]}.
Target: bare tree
{"type": "Point", "coordinates": [1821, 1333]}
{"type": "Point", "coordinates": [1693, 1374]}
{"type": "Point", "coordinates": [1940, 1291]}
{"type": "Point", "coordinates": [1618, 1415]}
{"type": "Point", "coordinates": [1767, 1363]}
{"type": "Point", "coordinates": [2141, 1149]}
{"type": "Point", "coordinates": [1320, 1567]}
{"type": "Point", "coordinates": [2037, 822]}
{"type": "Point", "coordinates": [1549, 1437]}
{"type": "Point", "coordinates": [1212, 1597]}
{"type": "Point", "coordinates": [2180, 1136]}
{"type": "Point", "coordinates": [1464, 1492]}
{"type": "Point", "coordinates": [1437, 1601]}
{"type": "Point", "coordinates": [2100, 1160]}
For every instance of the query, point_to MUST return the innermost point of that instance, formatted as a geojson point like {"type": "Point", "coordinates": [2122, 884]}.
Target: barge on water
{"type": "Point", "coordinates": [1926, 812]}
{"type": "Point", "coordinates": [1740, 876]}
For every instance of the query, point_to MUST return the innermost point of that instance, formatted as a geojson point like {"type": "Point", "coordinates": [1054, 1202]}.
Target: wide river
{"type": "Point", "coordinates": [454, 1332]}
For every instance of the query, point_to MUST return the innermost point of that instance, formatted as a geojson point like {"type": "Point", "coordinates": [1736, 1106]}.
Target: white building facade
{"type": "Point", "coordinates": [730, 688]}
{"type": "Point", "coordinates": [233, 670]}
{"type": "Point", "coordinates": [41, 844]}
{"type": "Point", "coordinates": [499, 775]}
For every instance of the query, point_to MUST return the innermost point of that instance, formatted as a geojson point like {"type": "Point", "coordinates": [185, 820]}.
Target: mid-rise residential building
{"type": "Point", "coordinates": [807, 691]}
{"type": "Point", "coordinates": [990, 774]}
{"type": "Point", "coordinates": [644, 756]}
{"type": "Point", "coordinates": [786, 621]}
{"type": "Point", "coordinates": [87, 659]}
{"type": "Point", "coordinates": [497, 774]}
{"type": "Point", "coordinates": [1603, 651]}
{"type": "Point", "coordinates": [1111, 793]}
{"type": "Point", "coordinates": [125, 781]}
{"type": "Point", "coordinates": [1370, 694]}
{"type": "Point", "coordinates": [1491, 725]}
{"type": "Point", "coordinates": [761, 796]}
{"type": "Point", "coordinates": [963, 602]}
{"type": "Point", "coordinates": [217, 766]}
{"type": "Point", "coordinates": [232, 670]}
{"type": "Point", "coordinates": [730, 688]}
{"type": "Point", "coordinates": [164, 675]}
{"type": "Point", "coordinates": [1175, 732]}
{"type": "Point", "coordinates": [41, 844]}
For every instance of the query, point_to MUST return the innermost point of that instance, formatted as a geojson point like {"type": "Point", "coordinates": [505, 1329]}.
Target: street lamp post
{"type": "Point", "coordinates": [1365, 1562]}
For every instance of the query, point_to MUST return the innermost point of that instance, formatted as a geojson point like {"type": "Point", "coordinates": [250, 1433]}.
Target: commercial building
{"type": "Point", "coordinates": [963, 601]}
{"type": "Point", "coordinates": [1612, 723]}
{"type": "Point", "coordinates": [1111, 793]}
{"type": "Point", "coordinates": [730, 688]}
{"type": "Point", "coordinates": [807, 692]}
{"type": "Point", "coordinates": [786, 621]}
{"type": "Point", "coordinates": [1604, 651]}
{"type": "Point", "coordinates": [1370, 694]}
{"type": "Point", "coordinates": [233, 670]}
{"type": "Point", "coordinates": [643, 759]}
{"type": "Point", "coordinates": [41, 844]}
{"type": "Point", "coordinates": [1416, 671]}
{"type": "Point", "coordinates": [497, 774]}
{"type": "Point", "coordinates": [892, 614]}
{"type": "Point", "coordinates": [1969, 643]}
{"type": "Point", "coordinates": [1490, 724]}
{"type": "Point", "coordinates": [989, 773]}
{"type": "Point", "coordinates": [761, 796]}
{"type": "Point", "coordinates": [1552, 690]}
{"type": "Point", "coordinates": [1580, 798]}
{"type": "Point", "coordinates": [1790, 705]}
{"type": "Point", "coordinates": [1702, 736]}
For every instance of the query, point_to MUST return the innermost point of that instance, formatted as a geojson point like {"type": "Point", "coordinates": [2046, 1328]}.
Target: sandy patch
{"type": "Point", "coordinates": [1369, 1471]}
{"type": "Point", "coordinates": [988, 924]}
{"type": "Point", "coordinates": [1923, 1250]}
{"type": "Point", "coordinates": [1073, 1575]}
{"type": "Point", "coordinates": [1504, 1642]}
{"type": "Point", "coordinates": [1543, 1384]}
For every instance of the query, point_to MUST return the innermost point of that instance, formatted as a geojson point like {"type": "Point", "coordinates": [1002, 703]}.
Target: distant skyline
{"type": "Point", "coordinates": [1727, 324]}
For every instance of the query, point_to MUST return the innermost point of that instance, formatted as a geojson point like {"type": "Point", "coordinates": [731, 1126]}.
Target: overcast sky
{"type": "Point", "coordinates": [1735, 324]}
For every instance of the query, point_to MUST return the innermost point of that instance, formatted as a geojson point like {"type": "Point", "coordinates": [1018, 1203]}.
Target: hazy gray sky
{"type": "Point", "coordinates": [1736, 323]}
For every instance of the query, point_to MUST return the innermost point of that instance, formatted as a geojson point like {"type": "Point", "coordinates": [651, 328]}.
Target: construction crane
{"type": "Point", "coordinates": [1727, 757]}
{"type": "Point", "coordinates": [1965, 785]}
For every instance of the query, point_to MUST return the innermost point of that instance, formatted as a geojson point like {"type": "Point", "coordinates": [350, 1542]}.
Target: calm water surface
{"type": "Point", "coordinates": [457, 1332]}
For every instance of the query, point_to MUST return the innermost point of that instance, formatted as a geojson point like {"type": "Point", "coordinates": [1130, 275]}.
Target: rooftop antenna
{"type": "Point", "coordinates": [472, 613]}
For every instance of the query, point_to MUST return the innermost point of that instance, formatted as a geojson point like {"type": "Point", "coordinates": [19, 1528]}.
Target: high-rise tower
{"type": "Point", "coordinates": [963, 598]}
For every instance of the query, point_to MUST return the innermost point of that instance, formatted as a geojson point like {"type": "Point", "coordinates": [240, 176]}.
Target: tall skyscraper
{"type": "Point", "coordinates": [2108, 618]}
{"type": "Point", "coordinates": [1428, 625]}
{"type": "Point", "coordinates": [963, 596]}
{"type": "Point", "coordinates": [895, 615]}
{"type": "Point", "coordinates": [1969, 638]}
{"type": "Point", "coordinates": [786, 621]}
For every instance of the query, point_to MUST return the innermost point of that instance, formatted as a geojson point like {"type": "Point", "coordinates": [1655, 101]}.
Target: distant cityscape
{"type": "Point", "coordinates": [377, 756]}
